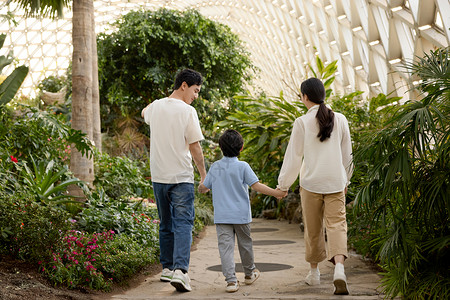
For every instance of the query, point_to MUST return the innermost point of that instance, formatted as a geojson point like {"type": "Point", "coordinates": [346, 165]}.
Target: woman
{"type": "Point", "coordinates": [320, 150]}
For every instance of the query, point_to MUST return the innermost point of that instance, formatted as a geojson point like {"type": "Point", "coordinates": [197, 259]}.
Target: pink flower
{"type": "Point", "coordinates": [13, 159]}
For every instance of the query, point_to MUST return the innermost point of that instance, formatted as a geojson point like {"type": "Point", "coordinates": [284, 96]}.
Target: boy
{"type": "Point", "coordinates": [229, 179]}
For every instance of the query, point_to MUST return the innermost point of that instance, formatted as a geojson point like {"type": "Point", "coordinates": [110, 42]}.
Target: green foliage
{"type": "Point", "coordinates": [122, 177]}
{"type": "Point", "coordinates": [407, 191]}
{"type": "Point", "coordinates": [125, 257]}
{"type": "Point", "coordinates": [46, 183]}
{"type": "Point", "coordinates": [325, 73]}
{"type": "Point", "coordinates": [52, 83]}
{"type": "Point", "coordinates": [44, 134]}
{"type": "Point", "coordinates": [12, 83]}
{"type": "Point", "coordinates": [43, 8]}
{"type": "Point", "coordinates": [134, 219]}
{"type": "Point", "coordinates": [138, 62]}
{"type": "Point", "coordinates": [28, 229]}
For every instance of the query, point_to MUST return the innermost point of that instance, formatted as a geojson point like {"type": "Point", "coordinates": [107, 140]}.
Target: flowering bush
{"type": "Point", "coordinates": [74, 263]}
{"type": "Point", "coordinates": [28, 228]}
{"type": "Point", "coordinates": [96, 260]}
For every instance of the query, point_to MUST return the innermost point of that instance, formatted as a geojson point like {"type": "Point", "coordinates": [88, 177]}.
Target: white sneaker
{"type": "Point", "coordinates": [313, 277]}
{"type": "Point", "coordinates": [181, 281]}
{"type": "Point", "coordinates": [232, 287]}
{"type": "Point", "coordinates": [340, 280]}
{"type": "Point", "coordinates": [250, 279]}
{"type": "Point", "coordinates": [166, 275]}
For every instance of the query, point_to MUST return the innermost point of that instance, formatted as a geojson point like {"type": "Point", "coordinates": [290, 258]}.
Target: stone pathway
{"type": "Point", "coordinates": [279, 255]}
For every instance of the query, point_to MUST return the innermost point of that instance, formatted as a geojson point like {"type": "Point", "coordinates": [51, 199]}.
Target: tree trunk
{"type": "Point", "coordinates": [82, 78]}
{"type": "Point", "coordinates": [95, 90]}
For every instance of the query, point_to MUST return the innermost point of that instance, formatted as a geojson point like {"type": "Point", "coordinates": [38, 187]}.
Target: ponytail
{"type": "Point", "coordinates": [325, 117]}
{"type": "Point", "coordinates": [315, 91]}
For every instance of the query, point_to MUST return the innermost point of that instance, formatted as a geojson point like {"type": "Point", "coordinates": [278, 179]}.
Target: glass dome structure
{"type": "Point", "coordinates": [370, 39]}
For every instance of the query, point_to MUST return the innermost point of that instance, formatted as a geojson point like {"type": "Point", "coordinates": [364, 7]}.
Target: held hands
{"type": "Point", "coordinates": [280, 194]}
{"type": "Point", "coordinates": [202, 188]}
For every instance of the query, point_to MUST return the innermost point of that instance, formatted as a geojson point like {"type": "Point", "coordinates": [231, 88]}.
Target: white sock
{"type": "Point", "coordinates": [315, 270]}
{"type": "Point", "coordinates": [339, 268]}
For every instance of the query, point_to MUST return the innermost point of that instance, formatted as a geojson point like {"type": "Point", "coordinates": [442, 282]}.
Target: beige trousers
{"type": "Point", "coordinates": [317, 210]}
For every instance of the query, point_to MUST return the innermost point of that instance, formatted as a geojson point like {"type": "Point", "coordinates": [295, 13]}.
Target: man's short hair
{"type": "Point", "coordinates": [189, 76]}
{"type": "Point", "coordinates": [231, 143]}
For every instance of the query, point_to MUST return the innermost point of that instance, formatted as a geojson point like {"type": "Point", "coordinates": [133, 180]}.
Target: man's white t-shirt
{"type": "Point", "coordinates": [173, 126]}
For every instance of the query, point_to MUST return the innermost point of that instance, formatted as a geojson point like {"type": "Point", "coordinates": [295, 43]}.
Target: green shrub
{"type": "Point", "coordinates": [122, 177]}
{"type": "Point", "coordinates": [45, 135]}
{"type": "Point", "coordinates": [134, 219]}
{"type": "Point", "coordinates": [125, 256]}
{"type": "Point", "coordinates": [52, 83]}
{"type": "Point", "coordinates": [30, 230]}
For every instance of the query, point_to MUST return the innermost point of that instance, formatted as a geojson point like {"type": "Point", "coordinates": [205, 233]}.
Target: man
{"type": "Point", "coordinates": [174, 141]}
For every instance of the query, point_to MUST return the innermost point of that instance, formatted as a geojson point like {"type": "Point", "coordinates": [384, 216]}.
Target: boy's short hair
{"type": "Point", "coordinates": [231, 143]}
{"type": "Point", "coordinates": [189, 76]}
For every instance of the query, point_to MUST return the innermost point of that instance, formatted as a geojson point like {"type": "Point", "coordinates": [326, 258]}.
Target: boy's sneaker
{"type": "Point", "coordinates": [232, 287]}
{"type": "Point", "coordinates": [313, 277]}
{"type": "Point", "coordinates": [340, 280]}
{"type": "Point", "coordinates": [181, 281]}
{"type": "Point", "coordinates": [166, 275]}
{"type": "Point", "coordinates": [250, 279]}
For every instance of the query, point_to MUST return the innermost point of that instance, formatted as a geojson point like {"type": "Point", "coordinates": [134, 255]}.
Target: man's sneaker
{"type": "Point", "coordinates": [166, 275]}
{"type": "Point", "coordinates": [340, 280]}
{"type": "Point", "coordinates": [232, 287]}
{"type": "Point", "coordinates": [250, 279]}
{"type": "Point", "coordinates": [181, 281]}
{"type": "Point", "coordinates": [313, 277]}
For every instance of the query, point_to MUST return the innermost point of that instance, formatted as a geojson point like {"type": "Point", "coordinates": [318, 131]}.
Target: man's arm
{"type": "Point", "coordinates": [199, 160]}
{"type": "Point", "coordinates": [142, 113]}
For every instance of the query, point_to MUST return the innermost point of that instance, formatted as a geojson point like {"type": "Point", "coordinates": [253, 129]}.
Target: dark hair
{"type": "Point", "coordinates": [314, 89]}
{"type": "Point", "coordinates": [189, 76]}
{"type": "Point", "coordinates": [231, 143]}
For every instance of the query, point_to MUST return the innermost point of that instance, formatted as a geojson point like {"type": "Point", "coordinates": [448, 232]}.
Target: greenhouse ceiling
{"type": "Point", "coordinates": [370, 39]}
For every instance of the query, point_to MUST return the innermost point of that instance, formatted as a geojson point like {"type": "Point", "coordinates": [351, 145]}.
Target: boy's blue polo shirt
{"type": "Point", "coordinates": [229, 179]}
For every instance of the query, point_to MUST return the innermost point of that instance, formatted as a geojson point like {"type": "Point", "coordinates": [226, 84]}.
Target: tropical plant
{"type": "Point", "coordinates": [139, 60]}
{"type": "Point", "coordinates": [45, 135]}
{"type": "Point", "coordinates": [407, 192]}
{"type": "Point", "coordinates": [48, 184]}
{"type": "Point", "coordinates": [11, 84]}
{"type": "Point", "coordinates": [86, 106]}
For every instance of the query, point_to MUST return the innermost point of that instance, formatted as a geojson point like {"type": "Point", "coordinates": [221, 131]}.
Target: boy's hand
{"type": "Point", "coordinates": [202, 188]}
{"type": "Point", "coordinates": [280, 194]}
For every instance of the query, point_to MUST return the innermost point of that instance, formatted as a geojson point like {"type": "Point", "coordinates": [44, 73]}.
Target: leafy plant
{"type": "Point", "coordinates": [48, 184]}
{"type": "Point", "coordinates": [44, 134]}
{"type": "Point", "coordinates": [134, 219]}
{"type": "Point", "coordinates": [28, 229]}
{"type": "Point", "coordinates": [407, 191]}
{"type": "Point", "coordinates": [122, 177]}
{"type": "Point", "coordinates": [138, 63]}
{"type": "Point", "coordinates": [12, 83]}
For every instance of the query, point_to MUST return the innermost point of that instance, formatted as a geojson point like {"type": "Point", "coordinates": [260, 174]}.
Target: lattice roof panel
{"type": "Point", "coordinates": [371, 40]}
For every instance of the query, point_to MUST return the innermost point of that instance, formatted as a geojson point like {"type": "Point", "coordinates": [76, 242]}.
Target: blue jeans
{"type": "Point", "coordinates": [176, 212]}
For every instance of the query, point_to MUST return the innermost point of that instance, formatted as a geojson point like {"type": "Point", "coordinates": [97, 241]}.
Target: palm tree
{"type": "Point", "coordinates": [85, 98]}
{"type": "Point", "coordinates": [408, 189]}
